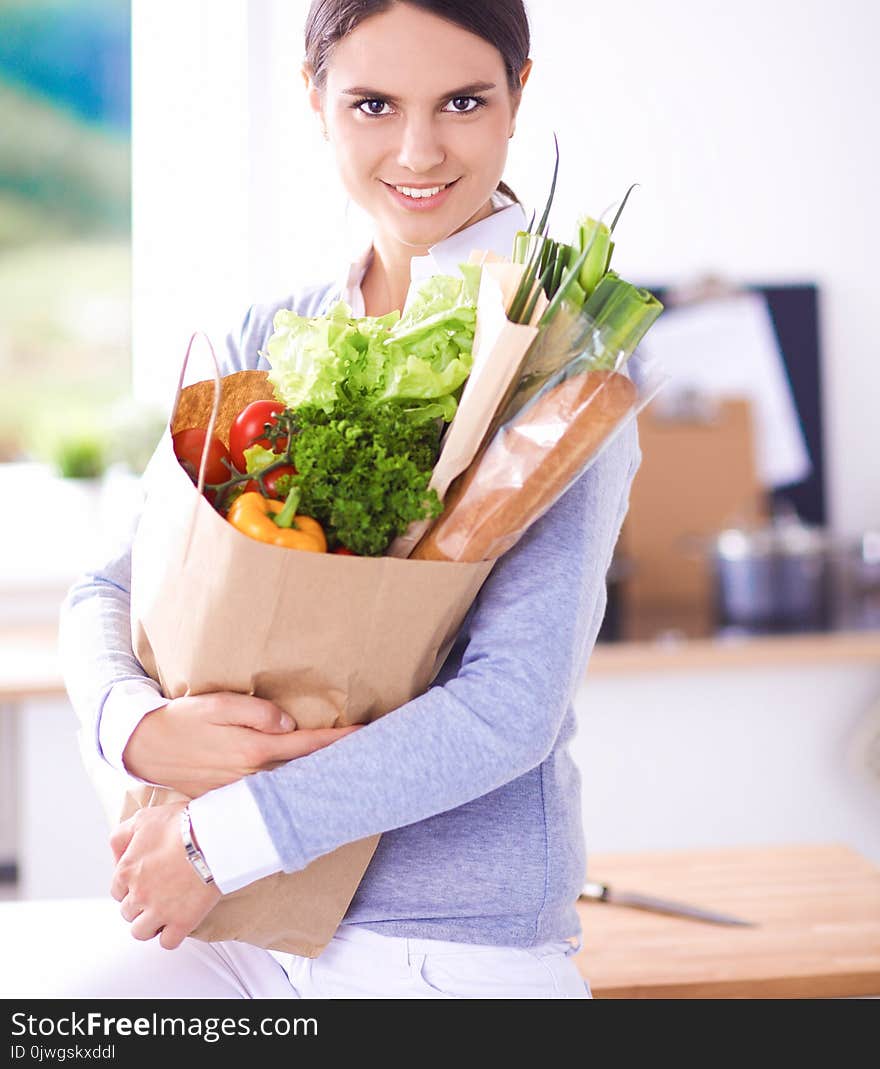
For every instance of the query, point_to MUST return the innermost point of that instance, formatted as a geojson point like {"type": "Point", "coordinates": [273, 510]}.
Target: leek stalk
{"type": "Point", "coordinates": [623, 312]}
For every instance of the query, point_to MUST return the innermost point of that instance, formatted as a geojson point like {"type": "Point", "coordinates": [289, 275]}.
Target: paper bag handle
{"type": "Point", "coordinates": [215, 410]}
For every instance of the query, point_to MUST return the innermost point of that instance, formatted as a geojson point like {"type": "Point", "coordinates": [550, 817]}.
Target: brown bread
{"type": "Point", "coordinates": [526, 467]}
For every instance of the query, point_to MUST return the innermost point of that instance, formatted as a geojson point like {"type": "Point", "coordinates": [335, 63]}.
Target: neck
{"type": "Point", "coordinates": [387, 279]}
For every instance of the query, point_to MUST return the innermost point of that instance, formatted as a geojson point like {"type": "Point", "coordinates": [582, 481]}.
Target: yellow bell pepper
{"type": "Point", "coordinates": [275, 522]}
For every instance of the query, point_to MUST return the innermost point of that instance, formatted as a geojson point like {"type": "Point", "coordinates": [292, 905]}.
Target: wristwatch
{"type": "Point", "coordinates": [195, 856]}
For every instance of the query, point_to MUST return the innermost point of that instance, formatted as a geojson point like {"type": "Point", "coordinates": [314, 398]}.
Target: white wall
{"type": "Point", "coordinates": [190, 180]}
{"type": "Point", "coordinates": [751, 128]}
{"type": "Point", "coordinates": [730, 758]}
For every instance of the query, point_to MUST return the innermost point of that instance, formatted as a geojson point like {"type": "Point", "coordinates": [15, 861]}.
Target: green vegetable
{"type": "Point", "coordinates": [570, 275]}
{"type": "Point", "coordinates": [596, 236]}
{"type": "Point", "coordinates": [363, 472]}
{"type": "Point", "coordinates": [257, 457]}
{"type": "Point", "coordinates": [80, 456]}
{"type": "Point", "coordinates": [420, 359]}
{"type": "Point", "coordinates": [623, 312]}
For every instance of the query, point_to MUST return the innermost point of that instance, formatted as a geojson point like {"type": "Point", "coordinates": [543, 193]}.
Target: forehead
{"type": "Point", "coordinates": [410, 53]}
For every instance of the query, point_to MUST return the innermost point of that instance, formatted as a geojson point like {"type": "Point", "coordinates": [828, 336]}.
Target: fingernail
{"type": "Point", "coordinates": [286, 722]}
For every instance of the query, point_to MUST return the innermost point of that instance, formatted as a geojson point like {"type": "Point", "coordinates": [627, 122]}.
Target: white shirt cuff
{"type": "Point", "coordinates": [126, 705]}
{"type": "Point", "coordinates": [233, 837]}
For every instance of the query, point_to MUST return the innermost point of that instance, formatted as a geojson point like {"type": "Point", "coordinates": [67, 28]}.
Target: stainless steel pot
{"type": "Point", "coordinates": [857, 582]}
{"type": "Point", "coordinates": [772, 578]}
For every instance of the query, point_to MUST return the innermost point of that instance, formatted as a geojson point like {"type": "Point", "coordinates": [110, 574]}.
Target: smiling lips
{"type": "Point", "coordinates": [420, 191]}
{"type": "Point", "coordinates": [420, 195]}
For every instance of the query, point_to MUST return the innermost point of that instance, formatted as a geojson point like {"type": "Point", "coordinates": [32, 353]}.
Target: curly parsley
{"type": "Point", "coordinates": [363, 470]}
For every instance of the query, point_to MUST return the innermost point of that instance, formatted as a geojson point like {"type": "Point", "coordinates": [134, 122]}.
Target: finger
{"type": "Point", "coordinates": [118, 885]}
{"type": "Point", "coordinates": [307, 740]}
{"type": "Point", "coordinates": [171, 937]}
{"type": "Point", "coordinates": [258, 713]}
{"type": "Point", "coordinates": [146, 926]}
{"type": "Point", "coordinates": [121, 837]}
{"type": "Point", "coordinates": [130, 909]}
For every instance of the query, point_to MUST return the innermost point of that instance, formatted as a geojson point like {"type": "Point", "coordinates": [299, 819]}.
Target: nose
{"type": "Point", "coordinates": [420, 149]}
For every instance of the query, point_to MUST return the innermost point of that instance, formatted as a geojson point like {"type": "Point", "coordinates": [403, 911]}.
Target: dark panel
{"type": "Point", "coordinates": [794, 310]}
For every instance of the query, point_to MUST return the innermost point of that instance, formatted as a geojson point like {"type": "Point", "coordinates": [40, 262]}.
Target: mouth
{"type": "Point", "coordinates": [420, 198]}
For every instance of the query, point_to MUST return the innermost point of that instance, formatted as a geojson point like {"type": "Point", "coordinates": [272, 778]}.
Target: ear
{"type": "Point", "coordinates": [523, 78]}
{"type": "Point", "coordinates": [314, 96]}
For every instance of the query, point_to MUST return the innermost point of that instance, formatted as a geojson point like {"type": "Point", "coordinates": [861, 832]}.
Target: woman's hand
{"type": "Point", "coordinates": [203, 741]}
{"type": "Point", "coordinates": [160, 891]}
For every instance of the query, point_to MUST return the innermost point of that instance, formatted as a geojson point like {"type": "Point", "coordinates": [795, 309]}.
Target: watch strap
{"type": "Point", "coordinates": [194, 855]}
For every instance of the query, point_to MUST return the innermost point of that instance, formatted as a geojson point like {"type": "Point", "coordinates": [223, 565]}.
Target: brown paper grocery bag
{"type": "Point", "coordinates": [333, 640]}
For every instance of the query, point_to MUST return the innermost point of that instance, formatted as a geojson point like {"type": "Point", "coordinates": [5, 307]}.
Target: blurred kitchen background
{"type": "Point", "coordinates": [160, 171]}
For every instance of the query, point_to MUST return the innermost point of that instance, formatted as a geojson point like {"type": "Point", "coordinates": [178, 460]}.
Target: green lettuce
{"type": "Point", "coordinates": [419, 360]}
{"type": "Point", "coordinates": [257, 458]}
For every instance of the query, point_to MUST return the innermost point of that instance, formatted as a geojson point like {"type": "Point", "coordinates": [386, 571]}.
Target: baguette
{"type": "Point", "coordinates": [527, 466]}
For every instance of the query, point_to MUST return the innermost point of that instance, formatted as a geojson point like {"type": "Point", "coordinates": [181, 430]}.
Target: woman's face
{"type": "Point", "coordinates": [413, 100]}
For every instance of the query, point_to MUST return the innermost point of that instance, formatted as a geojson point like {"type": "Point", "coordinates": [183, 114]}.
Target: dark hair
{"type": "Point", "coordinates": [503, 23]}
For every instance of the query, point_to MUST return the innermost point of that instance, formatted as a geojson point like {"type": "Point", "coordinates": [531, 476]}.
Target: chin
{"type": "Point", "coordinates": [434, 229]}
{"type": "Point", "coordinates": [418, 232]}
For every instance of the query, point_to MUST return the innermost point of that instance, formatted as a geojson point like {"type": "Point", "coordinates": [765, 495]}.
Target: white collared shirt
{"type": "Point", "coordinates": [227, 822]}
{"type": "Point", "coordinates": [495, 233]}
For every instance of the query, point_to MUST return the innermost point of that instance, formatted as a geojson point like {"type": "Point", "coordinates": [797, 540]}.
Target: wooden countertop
{"type": "Point", "coordinates": [817, 907]}
{"type": "Point", "coordinates": [29, 665]}
{"type": "Point", "coordinates": [749, 651]}
{"type": "Point", "coordinates": [29, 658]}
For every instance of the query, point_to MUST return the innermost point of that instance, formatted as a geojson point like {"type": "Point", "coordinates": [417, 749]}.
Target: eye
{"type": "Point", "coordinates": [359, 106]}
{"type": "Point", "coordinates": [478, 103]}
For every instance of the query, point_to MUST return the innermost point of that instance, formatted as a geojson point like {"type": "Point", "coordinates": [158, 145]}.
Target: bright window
{"type": "Point", "coordinates": [65, 206]}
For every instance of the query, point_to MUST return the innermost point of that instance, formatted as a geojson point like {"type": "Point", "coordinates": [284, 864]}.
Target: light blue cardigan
{"type": "Point", "coordinates": [472, 783]}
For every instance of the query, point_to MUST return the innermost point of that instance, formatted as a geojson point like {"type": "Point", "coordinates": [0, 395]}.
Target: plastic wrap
{"type": "Point", "coordinates": [570, 335]}
{"type": "Point", "coordinates": [535, 456]}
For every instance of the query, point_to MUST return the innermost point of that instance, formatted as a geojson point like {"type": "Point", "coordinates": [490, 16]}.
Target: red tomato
{"type": "Point", "coordinates": [270, 480]}
{"type": "Point", "coordinates": [188, 447]}
{"type": "Point", "coordinates": [248, 429]}
{"type": "Point", "coordinates": [344, 551]}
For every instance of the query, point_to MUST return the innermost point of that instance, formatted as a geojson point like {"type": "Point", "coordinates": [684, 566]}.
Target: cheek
{"type": "Point", "coordinates": [480, 144]}
{"type": "Point", "coordinates": [359, 152]}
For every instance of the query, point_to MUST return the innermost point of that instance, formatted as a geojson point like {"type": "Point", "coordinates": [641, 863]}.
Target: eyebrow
{"type": "Point", "coordinates": [461, 91]}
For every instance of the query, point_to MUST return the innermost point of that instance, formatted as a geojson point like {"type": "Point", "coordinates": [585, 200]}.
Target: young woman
{"type": "Point", "coordinates": [472, 890]}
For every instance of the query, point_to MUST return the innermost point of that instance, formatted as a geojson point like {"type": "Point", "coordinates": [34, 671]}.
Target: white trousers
{"type": "Point", "coordinates": [84, 949]}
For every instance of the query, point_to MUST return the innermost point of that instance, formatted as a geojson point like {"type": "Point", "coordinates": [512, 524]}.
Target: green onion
{"type": "Point", "coordinates": [518, 303]}
{"type": "Point", "coordinates": [622, 206]}
{"type": "Point", "coordinates": [521, 244]}
{"type": "Point", "coordinates": [548, 250]}
{"type": "Point", "coordinates": [539, 289]}
{"type": "Point", "coordinates": [565, 255]}
{"type": "Point", "coordinates": [569, 289]}
{"type": "Point", "coordinates": [546, 214]}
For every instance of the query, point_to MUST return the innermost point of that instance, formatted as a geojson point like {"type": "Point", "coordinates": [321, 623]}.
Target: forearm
{"type": "Point", "coordinates": [533, 627]}
{"type": "Point", "coordinates": [107, 686]}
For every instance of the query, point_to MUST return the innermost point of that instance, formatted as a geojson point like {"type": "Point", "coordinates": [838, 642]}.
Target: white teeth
{"type": "Point", "coordinates": [418, 194]}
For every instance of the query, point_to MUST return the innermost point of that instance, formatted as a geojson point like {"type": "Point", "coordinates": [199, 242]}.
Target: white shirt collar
{"type": "Point", "coordinates": [495, 233]}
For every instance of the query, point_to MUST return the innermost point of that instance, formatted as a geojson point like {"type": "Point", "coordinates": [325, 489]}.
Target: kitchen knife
{"type": "Point", "coordinates": [601, 892]}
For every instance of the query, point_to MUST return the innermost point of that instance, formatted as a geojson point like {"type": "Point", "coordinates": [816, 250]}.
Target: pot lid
{"type": "Point", "coordinates": [786, 535]}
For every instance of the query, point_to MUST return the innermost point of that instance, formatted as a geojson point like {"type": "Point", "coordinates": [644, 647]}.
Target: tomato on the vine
{"type": "Point", "coordinates": [248, 428]}
{"type": "Point", "coordinates": [270, 480]}
{"type": "Point", "coordinates": [188, 447]}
